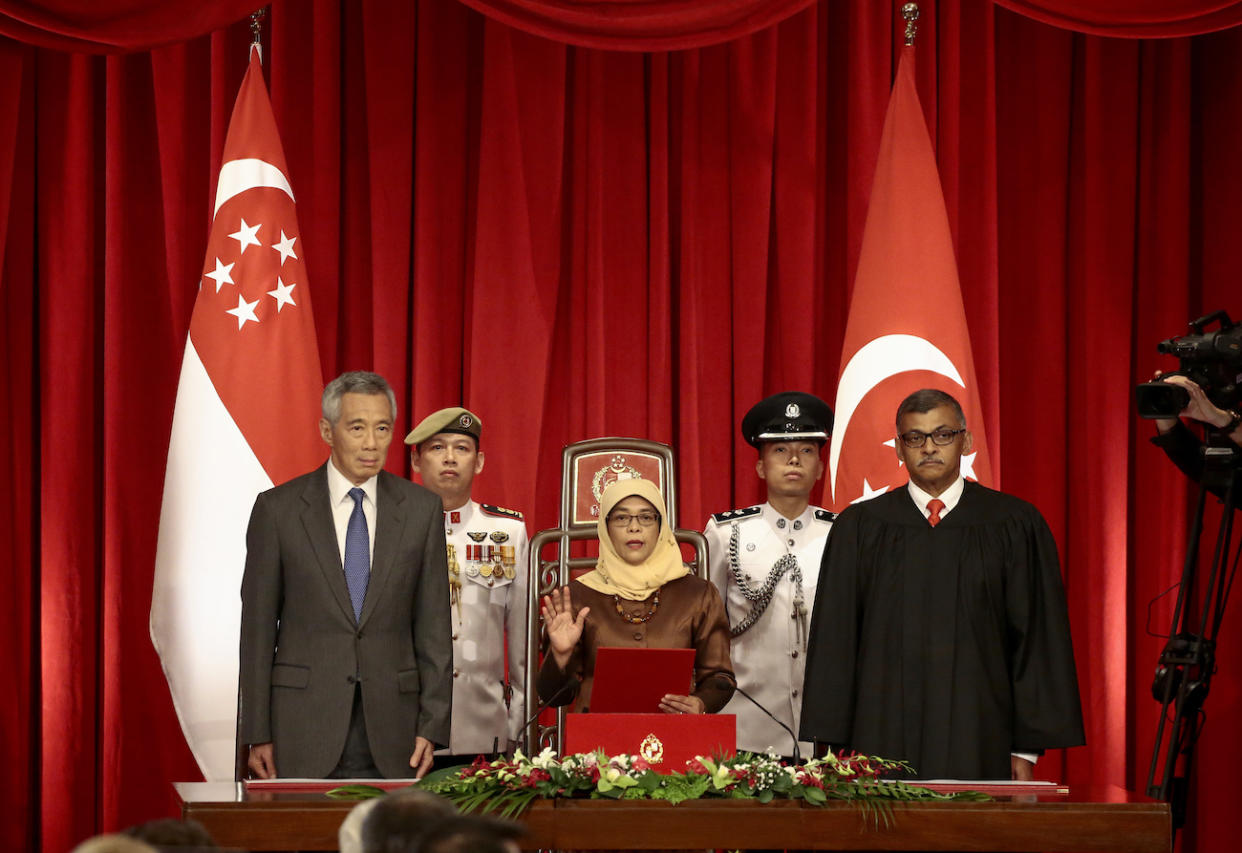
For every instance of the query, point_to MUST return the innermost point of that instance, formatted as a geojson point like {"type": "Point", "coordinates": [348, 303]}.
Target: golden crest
{"type": "Point", "coordinates": [477, 536]}
{"type": "Point", "coordinates": [652, 749]}
{"type": "Point", "coordinates": [499, 536]}
{"type": "Point", "coordinates": [618, 469]}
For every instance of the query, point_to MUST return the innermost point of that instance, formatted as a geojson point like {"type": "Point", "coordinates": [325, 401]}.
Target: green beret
{"type": "Point", "coordinates": [454, 419]}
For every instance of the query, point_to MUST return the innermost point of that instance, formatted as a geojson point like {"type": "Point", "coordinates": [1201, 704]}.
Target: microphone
{"type": "Point", "coordinates": [574, 681]}
{"type": "Point", "coordinates": [797, 753]}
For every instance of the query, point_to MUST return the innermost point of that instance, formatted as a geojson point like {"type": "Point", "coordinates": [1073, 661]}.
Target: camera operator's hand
{"type": "Point", "coordinates": [1200, 407]}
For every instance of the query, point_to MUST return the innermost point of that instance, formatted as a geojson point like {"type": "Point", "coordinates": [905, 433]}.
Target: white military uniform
{"type": "Point", "coordinates": [487, 547]}
{"type": "Point", "coordinates": [769, 657]}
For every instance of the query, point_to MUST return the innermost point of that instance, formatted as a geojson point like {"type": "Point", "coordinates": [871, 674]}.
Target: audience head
{"type": "Point", "coordinates": [114, 844]}
{"type": "Point", "coordinates": [472, 834]}
{"type": "Point", "coordinates": [349, 836]}
{"type": "Point", "coordinates": [171, 832]}
{"type": "Point", "coordinates": [397, 821]}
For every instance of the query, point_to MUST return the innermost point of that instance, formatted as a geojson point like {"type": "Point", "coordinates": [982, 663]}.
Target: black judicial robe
{"type": "Point", "coordinates": [945, 647]}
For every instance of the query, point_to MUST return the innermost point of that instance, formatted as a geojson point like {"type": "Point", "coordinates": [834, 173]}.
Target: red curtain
{"type": "Point", "coordinates": [109, 26]}
{"type": "Point", "coordinates": [639, 24]}
{"type": "Point", "coordinates": [578, 242]}
{"type": "Point", "coordinates": [1132, 18]}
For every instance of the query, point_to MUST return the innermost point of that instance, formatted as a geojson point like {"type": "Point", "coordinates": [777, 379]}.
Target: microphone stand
{"type": "Point", "coordinates": [573, 682]}
{"type": "Point", "coordinates": [797, 753]}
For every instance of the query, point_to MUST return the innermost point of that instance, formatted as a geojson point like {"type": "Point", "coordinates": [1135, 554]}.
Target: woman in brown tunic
{"type": "Point", "coordinates": [639, 595]}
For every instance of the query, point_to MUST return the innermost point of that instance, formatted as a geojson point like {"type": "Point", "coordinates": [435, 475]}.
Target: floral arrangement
{"type": "Point", "coordinates": [507, 787]}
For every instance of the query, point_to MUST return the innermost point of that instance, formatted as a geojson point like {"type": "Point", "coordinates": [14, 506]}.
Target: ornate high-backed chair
{"type": "Point", "coordinates": [588, 467]}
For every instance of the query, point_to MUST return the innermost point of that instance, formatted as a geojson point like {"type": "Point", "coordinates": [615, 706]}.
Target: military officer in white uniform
{"type": "Point", "coordinates": [765, 562]}
{"type": "Point", "coordinates": [487, 579]}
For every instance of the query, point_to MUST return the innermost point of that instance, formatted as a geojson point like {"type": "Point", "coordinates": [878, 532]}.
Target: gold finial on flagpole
{"type": "Point", "coordinates": [910, 12]}
{"type": "Point", "coordinates": [256, 43]}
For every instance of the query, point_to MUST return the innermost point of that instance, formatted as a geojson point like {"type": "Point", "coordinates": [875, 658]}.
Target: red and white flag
{"type": "Point", "coordinates": [907, 327]}
{"type": "Point", "coordinates": [245, 419]}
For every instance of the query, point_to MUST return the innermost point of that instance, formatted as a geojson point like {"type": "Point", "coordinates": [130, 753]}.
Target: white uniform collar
{"type": "Point", "coordinates": [950, 496]}
{"type": "Point", "coordinates": [465, 514]}
{"type": "Point", "coordinates": [338, 486]}
{"type": "Point", "coordinates": [774, 518]}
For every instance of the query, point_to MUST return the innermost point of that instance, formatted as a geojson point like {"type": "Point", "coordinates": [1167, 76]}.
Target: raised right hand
{"type": "Point", "coordinates": [563, 627]}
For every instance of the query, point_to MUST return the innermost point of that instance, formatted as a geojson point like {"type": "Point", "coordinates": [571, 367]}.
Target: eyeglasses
{"type": "Point", "coordinates": [941, 437]}
{"type": "Point", "coordinates": [645, 518]}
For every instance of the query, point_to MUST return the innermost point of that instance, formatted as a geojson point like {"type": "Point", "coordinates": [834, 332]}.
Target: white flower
{"type": "Point", "coordinates": [543, 760]}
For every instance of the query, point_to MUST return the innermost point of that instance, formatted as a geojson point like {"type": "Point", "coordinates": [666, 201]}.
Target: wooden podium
{"type": "Point", "coordinates": [1087, 819]}
{"type": "Point", "coordinates": [666, 741]}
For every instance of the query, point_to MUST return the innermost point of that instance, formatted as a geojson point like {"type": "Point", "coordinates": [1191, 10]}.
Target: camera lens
{"type": "Point", "coordinates": [1161, 399]}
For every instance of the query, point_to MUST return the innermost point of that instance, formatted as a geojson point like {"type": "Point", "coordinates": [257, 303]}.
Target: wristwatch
{"type": "Point", "coordinates": [1234, 420]}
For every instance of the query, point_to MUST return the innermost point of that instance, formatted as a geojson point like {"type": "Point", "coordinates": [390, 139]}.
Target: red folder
{"type": "Point", "coordinates": [632, 681]}
{"type": "Point", "coordinates": [666, 741]}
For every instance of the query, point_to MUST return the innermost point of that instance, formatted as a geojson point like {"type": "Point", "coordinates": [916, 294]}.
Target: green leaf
{"type": "Point", "coordinates": [814, 795]}
{"type": "Point", "coordinates": [356, 792]}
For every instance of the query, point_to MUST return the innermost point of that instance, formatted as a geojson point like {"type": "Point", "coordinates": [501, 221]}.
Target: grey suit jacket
{"type": "Point", "coordinates": [301, 649]}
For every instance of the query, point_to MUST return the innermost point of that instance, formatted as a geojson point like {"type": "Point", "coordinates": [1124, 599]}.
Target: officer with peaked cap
{"type": "Point", "coordinates": [765, 562]}
{"type": "Point", "coordinates": [488, 580]}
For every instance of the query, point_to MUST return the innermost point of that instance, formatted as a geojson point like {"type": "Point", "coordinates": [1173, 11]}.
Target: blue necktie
{"type": "Point", "coordinates": [357, 554]}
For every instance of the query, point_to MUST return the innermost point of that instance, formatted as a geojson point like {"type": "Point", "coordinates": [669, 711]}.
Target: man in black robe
{"type": "Point", "coordinates": [940, 635]}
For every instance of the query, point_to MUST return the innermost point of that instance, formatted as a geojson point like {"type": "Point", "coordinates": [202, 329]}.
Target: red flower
{"type": "Point", "coordinates": [533, 780]}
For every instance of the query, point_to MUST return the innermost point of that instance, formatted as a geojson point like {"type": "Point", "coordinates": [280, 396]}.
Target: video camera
{"type": "Point", "coordinates": [1213, 360]}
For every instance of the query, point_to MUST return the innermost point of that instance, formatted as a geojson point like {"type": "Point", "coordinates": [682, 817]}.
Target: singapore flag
{"type": "Point", "coordinates": [245, 419]}
{"type": "Point", "coordinates": [907, 328]}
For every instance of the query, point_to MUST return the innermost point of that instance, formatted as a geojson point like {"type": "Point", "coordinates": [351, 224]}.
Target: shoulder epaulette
{"type": "Point", "coordinates": [735, 514]}
{"type": "Point", "coordinates": [491, 509]}
{"type": "Point", "coordinates": [825, 515]}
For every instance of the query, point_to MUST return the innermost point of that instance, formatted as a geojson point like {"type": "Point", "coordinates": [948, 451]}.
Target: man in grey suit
{"type": "Point", "coordinates": [346, 655]}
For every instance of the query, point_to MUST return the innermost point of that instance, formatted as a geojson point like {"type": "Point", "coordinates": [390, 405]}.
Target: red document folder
{"type": "Point", "coordinates": [632, 681]}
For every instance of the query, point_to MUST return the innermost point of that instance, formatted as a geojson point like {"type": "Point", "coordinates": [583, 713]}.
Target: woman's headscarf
{"type": "Point", "coordinates": [612, 575]}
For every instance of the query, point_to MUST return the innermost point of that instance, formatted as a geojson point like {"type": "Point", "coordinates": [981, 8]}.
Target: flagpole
{"type": "Point", "coordinates": [910, 12]}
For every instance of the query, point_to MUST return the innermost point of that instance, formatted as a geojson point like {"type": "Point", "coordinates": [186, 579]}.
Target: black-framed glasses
{"type": "Point", "coordinates": [646, 518]}
{"type": "Point", "coordinates": [939, 437]}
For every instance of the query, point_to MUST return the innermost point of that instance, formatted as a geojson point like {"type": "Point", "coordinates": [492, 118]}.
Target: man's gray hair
{"type": "Point", "coordinates": [354, 382]}
{"type": "Point", "coordinates": [924, 400]}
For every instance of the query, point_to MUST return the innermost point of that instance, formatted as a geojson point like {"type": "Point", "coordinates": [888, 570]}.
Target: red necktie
{"type": "Point", "coordinates": [933, 507]}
